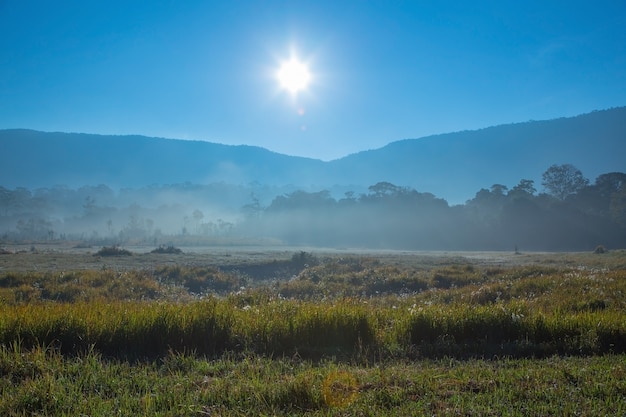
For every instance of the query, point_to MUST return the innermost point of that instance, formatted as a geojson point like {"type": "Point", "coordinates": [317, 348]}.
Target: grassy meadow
{"type": "Point", "coordinates": [315, 334]}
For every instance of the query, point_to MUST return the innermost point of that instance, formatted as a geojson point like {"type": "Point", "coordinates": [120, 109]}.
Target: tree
{"type": "Point", "coordinates": [385, 189]}
{"type": "Point", "coordinates": [134, 229]}
{"type": "Point", "coordinates": [197, 215]}
{"type": "Point", "coordinates": [525, 188]}
{"type": "Point", "coordinates": [253, 209]}
{"type": "Point", "coordinates": [348, 200]}
{"type": "Point", "coordinates": [302, 200]}
{"type": "Point", "coordinates": [489, 199]}
{"type": "Point", "coordinates": [498, 189]}
{"type": "Point", "coordinates": [612, 182]}
{"type": "Point", "coordinates": [564, 180]}
{"type": "Point", "coordinates": [89, 205]}
{"type": "Point", "coordinates": [34, 228]}
{"type": "Point", "coordinates": [596, 199]}
{"type": "Point", "coordinates": [110, 227]}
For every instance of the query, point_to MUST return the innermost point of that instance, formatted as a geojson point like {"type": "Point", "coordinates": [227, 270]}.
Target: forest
{"type": "Point", "coordinates": [569, 213]}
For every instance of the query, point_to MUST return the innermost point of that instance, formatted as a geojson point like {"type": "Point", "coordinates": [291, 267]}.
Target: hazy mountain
{"type": "Point", "coordinates": [456, 165]}
{"type": "Point", "coordinates": [453, 166]}
{"type": "Point", "coordinates": [34, 159]}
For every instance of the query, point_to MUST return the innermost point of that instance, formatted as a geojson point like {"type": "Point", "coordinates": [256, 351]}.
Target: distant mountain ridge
{"type": "Point", "coordinates": [37, 159]}
{"type": "Point", "coordinates": [448, 163]}
{"type": "Point", "coordinates": [453, 166]}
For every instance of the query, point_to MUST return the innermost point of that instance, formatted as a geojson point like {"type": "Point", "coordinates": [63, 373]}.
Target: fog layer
{"type": "Point", "coordinates": [570, 214]}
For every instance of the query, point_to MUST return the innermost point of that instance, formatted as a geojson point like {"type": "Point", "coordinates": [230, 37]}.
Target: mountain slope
{"type": "Point", "coordinates": [452, 166]}
{"type": "Point", "coordinates": [37, 159]}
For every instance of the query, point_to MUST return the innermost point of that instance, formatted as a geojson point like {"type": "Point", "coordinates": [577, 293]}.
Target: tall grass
{"type": "Point", "coordinates": [345, 329]}
{"type": "Point", "coordinates": [344, 337]}
{"type": "Point", "coordinates": [355, 307]}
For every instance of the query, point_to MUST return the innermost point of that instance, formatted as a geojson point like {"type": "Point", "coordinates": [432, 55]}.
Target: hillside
{"type": "Point", "coordinates": [456, 165]}
{"type": "Point", "coordinates": [453, 166]}
{"type": "Point", "coordinates": [35, 159]}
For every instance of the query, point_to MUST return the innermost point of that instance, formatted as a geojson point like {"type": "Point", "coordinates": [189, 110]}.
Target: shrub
{"type": "Point", "coordinates": [167, 250]}
{"type": "Point", "coordinates": [599, 249]}
{"type": "Point", "coordinates": [303, 259]}
{"type": "Point", "coordinates": [113, 251]}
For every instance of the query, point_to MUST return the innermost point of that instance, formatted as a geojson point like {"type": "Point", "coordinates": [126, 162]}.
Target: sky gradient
{"type": "Point", "coordinates": [381, 70]}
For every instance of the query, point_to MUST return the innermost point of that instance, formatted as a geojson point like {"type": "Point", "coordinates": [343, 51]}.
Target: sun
{"type": "Point", "coordinates": [293, 75]}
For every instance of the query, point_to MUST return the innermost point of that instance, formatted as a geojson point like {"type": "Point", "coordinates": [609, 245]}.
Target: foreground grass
{"type": "Point", "coordinates": [44, 382]}
{"type": "Point", "coordinates": [342, 337]}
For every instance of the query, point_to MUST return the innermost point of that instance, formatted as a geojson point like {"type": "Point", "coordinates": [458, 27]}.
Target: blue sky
{"type": "Point", "coordinates": [381, 70]}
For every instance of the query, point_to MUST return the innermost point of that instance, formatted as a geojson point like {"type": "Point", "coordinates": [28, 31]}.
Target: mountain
{"type": "Point", "coordinates": [39, 159]}
{"type": "Point", "coordinates": [456, 165]}
{"type": "Point", "coordinates": [453, 166]}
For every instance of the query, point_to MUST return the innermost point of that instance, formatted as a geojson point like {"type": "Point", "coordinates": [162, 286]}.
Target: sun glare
{"type": "Point", "coordinates": [293, 75]}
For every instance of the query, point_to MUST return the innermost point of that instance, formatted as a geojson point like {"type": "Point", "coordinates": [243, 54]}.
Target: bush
{"type": "Point", "coordinates": [167, 250]}
{"type": "Point", "coordinates": [599, 249]}
{"type": "Point", "coordinates": [113, 251]}
{"type": "Point", "coordinates": [303, 260]}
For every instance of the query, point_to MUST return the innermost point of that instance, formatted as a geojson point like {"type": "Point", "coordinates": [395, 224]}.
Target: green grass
{"type": "Point", "coordinates": [352, 336]}
{"type": "Point", "coordinates": [349, 329]}
{"type": "Point", "coordinates": [43, 382]}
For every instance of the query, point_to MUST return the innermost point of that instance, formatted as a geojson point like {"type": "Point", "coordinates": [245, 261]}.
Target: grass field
{"type": "Point", "coordinates": [233, 332]}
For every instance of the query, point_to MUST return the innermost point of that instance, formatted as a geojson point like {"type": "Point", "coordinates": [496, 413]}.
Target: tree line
{"type": "Point", "coordinates": [570, 213]}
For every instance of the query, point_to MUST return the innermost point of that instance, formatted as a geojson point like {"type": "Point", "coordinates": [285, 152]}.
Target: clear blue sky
{"type": "Point", "coordinates": [381, 70]}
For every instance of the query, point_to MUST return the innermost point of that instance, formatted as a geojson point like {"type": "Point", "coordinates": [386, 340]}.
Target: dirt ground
{"type": "Point", "coordinates": [65, 256]}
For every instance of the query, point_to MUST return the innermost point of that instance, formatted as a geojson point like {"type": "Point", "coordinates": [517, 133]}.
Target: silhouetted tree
{"type": "Point", "coordinates": [610, 183]}
{"type": "Point", "coordinates": [524, 189]}
{"type": "Point", "coordinates": [135, 228]}
{"type": "Point", "coordinates": [34, 228]}
{"type": "Point", "coordinates": [498, 189]}
{"type": "Point", "coordinates": [349, 198]}
{"type": "Point", "coordinates": [252, 210]}
{"type": "Point", "coordinates": [302, 200]}
{"type": "Point", "coordinates": [596, 199]}
{"type": "Point", "coordinates": [197, 218]}
{"type": "Point", "coordinates": [385, 189]}
{"type": "Point", "coordinates": [564, 180]}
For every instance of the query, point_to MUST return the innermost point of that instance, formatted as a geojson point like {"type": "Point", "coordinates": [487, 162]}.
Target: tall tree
{"type": "Point", "coordinates": [525, 188]}
{"type": "Point", "coordinates": [499, 189]}
{"type": "Point", "coordinates": [596, 199]}
{"type": "Point", "coordinates": [610, 183]}
{"type": "Point", "coordinates": [564, 180]}
{"type": "Point", "coordinates": [385, 189]}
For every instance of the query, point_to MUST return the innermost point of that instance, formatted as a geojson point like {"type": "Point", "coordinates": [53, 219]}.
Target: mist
{"type": "Point", "coordinates": [568, 215]}
{"type": "Point", "coordinates": [101, 214]}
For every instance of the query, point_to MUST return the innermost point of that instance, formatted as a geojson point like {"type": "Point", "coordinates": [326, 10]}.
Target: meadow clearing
{"type": "Point", "coordinates": [238, 331]}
